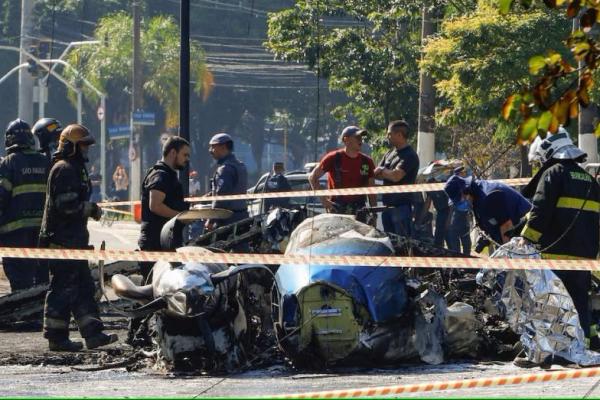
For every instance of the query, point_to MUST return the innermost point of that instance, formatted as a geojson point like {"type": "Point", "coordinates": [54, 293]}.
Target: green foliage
{"type": "Point", "coordinates": [109, 65]}
{"type": "Point", "coordinates": [373, 61]}
{"type": "Point", "coordinates": [553, 99]}
{"type": "Point", "coordinates": [475, 60]}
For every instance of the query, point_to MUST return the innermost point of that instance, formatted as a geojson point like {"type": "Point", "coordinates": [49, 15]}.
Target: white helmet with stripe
{"type": "Point", "coordinates": [558, 146]}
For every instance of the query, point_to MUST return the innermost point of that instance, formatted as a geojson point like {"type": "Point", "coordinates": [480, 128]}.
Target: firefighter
{"type": "Point", "coordinates": [23, 174]}
{"type": "Point", "coordinates": [346, 168]}
{"type": "Point", "coordinates": [47, 131]}
{"type": "Point", "coordinates": [565, 216]}
{"type": "Point", "coordinates": [230, 177]}
{"type": "Point", "coordinates": [64, 226]}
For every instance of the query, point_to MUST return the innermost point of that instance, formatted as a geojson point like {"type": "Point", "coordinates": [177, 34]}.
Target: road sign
{"type": "Point", "coordinates": [142, 117]}
{"type": "Point", "coordinates": [119, 131]}
{"type": "Point", "coordinates": [100, 113]}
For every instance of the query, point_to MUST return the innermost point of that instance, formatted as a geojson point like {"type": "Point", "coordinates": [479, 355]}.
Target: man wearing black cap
{"type": "Point", "coordinates": [497, 207]}
{"type": "Point", "coordinates": [229, 178]}
{"type": "Point", "coordinates": [346, 168]}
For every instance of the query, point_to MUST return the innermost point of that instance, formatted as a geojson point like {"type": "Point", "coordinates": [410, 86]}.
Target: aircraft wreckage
{"type": "Point", "coordinates": [222, 318]}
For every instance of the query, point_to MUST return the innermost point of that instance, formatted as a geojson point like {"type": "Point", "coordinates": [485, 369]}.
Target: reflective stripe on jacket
{"type": "Point", "coordinates": [65, 220]}
{"type": "Point", "coordinates": [567, 199]}
{"type": "Point", "coordinates": [23, 176]}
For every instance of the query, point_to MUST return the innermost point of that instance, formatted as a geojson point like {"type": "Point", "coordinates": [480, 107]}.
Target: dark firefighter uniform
{"type": "Point", "coordinates": [230, 177]}
{"type": "Point", "coordinates": [564, 220]}
{"type": "Point", "coordinates": [23, 174]}
{"type": "Point", "coordinates": [65, 226]}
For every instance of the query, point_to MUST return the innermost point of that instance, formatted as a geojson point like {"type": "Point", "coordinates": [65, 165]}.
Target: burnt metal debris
{"type": "Point", "coordinates": [220, 318]}
{"type": "Point", "coordinates": [24, 307]}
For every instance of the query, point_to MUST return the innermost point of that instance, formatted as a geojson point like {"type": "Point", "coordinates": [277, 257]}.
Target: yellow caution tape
{"type": "Point", "coordinates": [422, 187]}
{"type": "Point", "coordinates": [275, 259]}
{"type": "Point", "coordinates": [449, 385]}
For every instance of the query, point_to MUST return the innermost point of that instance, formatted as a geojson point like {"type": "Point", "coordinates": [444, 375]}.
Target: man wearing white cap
{"type": "Point", "coordinates": [229, 178]}
{"type": "Point", "coordinates": [346, 168]}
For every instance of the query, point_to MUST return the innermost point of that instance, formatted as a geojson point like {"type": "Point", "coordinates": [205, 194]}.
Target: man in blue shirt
{"type": "Point", "coordinates": [497, 207]}
{"type": "Point", "coordinates": [229, 178]}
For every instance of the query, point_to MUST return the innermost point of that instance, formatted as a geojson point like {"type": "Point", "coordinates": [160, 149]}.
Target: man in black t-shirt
{"type": "Point", "coordinates": [399, 166]}
{"type": "Point", "coordinates": [162, 199]}
{"type": "Point", "coordinates": [162, 194]}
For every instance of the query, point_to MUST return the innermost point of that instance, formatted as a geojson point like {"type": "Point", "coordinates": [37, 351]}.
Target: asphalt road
{"type": "Point", "coordinates": [27, 368]}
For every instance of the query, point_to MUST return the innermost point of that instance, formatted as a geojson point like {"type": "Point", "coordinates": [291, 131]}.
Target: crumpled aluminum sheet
{"type": "Point", "coordinates": [538, 307]}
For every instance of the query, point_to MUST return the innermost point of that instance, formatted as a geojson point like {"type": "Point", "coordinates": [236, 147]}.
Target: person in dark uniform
{"type": "Point", "coordinates": [565, 217]}
{"type": "Point", "coordinates": [498, 208]}
{"type": "Point", "coordinates": [47, 131]}
{"type": "Point", "coordinates": [442, 216]}
{"type": "Point", "coordinates": [162, 195]}
{"type": "Point", "coordinates": [277, 182]}
{"type": "Point", "coordinates": [399, 166]}
{"type": "Point", "coordinates": [64, 226]}
{"type": "Point", "coordinates": [229, 178]}
{"type": "Point", "coordinates": [23, 175]}
{"type": "Point", "coordinates": [162, 199]}
{"type": "Point", "coordinates": [459, 230]}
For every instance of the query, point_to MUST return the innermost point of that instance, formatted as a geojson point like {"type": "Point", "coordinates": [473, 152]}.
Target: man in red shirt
{"type": "Point", "coordinates": [346, 168]}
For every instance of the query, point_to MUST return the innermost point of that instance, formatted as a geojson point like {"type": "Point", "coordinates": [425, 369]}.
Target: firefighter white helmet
{"type": "Point", "coordinates": [559, 147]}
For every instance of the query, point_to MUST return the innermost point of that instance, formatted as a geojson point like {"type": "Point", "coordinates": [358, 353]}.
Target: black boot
{"type": "Point", "coordinates": [64, 345]}
{"type": "Point", "coordinates": [100, 339]}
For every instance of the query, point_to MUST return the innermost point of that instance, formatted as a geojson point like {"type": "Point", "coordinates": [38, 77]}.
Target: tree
{"type": "Point", "coordinates": [559, 85]}
{"type": "Point", "coordinates": [371, 58]}
{"type": "Point", "coordinates": [475, 61]}
{"type": "Point", "coordinates": [109, 66]}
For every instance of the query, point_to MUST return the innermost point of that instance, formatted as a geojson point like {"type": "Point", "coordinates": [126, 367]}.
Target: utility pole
{"type": "Point", "coordinates": [426, 138]}
{"type": "Point", "coordinates": [26, 80]}
{"type": "Point", "coordinates": [586, 138]}
{"type": "Point", "coordinates": [184, 85]}
{"type": "Point", "coordinates": [137, 103]}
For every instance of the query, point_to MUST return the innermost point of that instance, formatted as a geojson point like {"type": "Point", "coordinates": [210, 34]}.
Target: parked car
{"type": "Point", "coordinates": [298, 181]}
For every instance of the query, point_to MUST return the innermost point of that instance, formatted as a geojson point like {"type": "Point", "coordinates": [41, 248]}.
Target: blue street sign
{"type": "Point", "coordinates": [119, 131]}
{"type": "Point", "coordinates": [142, 117]}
